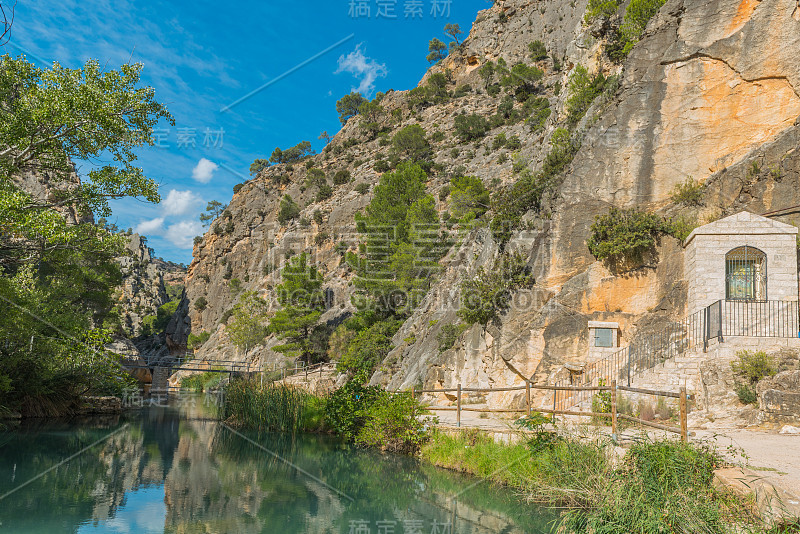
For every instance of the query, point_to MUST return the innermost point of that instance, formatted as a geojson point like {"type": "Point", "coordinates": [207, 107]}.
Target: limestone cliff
{"type": "Point", "coordinates": [710, 92]}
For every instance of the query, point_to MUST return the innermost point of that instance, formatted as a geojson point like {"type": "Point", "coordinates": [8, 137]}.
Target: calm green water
{"type": "Point", "coordinates": [178, 470]}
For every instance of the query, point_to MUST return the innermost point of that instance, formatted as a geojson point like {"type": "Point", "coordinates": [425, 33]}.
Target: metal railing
{"type": "Point", "coordinates": [723, 318]}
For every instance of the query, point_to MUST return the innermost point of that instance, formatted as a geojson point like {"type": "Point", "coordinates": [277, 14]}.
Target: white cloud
{"type": "Point", "coordinates": [363, 68]}
{"type": "Point", "coordinates": [204, 170]}
{"type": "Point", "coordinates": [151, 227]}
{"type": "Point", "coordinates": [182, 234]}
{"type": "Point", "coordinates": [180, 202]}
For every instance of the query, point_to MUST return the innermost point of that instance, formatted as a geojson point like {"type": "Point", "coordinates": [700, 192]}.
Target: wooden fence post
{"type": "Point", "coordinates": [614, 410]}
{"type": "Point", "coordinates": [528, 396]}
{"type": "Point", "coordinates": [684, 423]}
{"type": "Point", "coordinates": [458, 406]}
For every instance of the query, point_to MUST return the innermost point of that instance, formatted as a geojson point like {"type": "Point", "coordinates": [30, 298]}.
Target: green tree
{"type": "Point", "coordinates": [213, 210]}
{"type": "Point", "coordinates": [258, 165]}
{"type": "Point", "coordinates": [410, 142]}
{"type": "Point", "coordinates": [538, 51]}
{"type": "Point", "coordinates": [470, 127]}
{"type": "Point", "coordinates": [293, 154]}
{"type": "Point", "coordinates": [54, 262]}
{"type": "Point", "coordinates": [437, 50]}
{"type": "Point", "coordinates": [468, 197]}
{"type": "Point", "coordinates": [454, 31]}
{"type": "Point", "coordinates": [247, 327]}
{"type": "Point", "coordinates": [302, 302]}
{"type": "Point", "coordinates": [348, 106]}
{"type": "Point", "coordinates": [288, 210]}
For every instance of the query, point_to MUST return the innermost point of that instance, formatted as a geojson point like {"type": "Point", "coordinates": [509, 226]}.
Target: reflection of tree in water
{"type": "Point", "coordinates": [90, 486]}
{"type": "Point", "coordinates": [215, 481]}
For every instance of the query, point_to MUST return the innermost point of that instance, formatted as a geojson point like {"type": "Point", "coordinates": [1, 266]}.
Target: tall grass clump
{"type": "Point", "coordinates": [657, 487]}
{"type": "Point", "coordinates": [277, 408]}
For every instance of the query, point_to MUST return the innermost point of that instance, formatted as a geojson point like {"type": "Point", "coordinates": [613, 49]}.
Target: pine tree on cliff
{"type": "Point", "coordinates": [302, 301]}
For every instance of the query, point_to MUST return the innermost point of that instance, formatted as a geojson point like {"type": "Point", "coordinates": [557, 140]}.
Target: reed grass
{"type": "Point", "coordinates": [658, 486]}
{"type": "Point", "coordinates": [277, 408]}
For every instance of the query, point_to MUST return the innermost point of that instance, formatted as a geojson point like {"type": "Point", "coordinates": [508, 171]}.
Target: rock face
{"type": "Point", "coordinates": [144, 283]}
{"type": "Point", "coordinates": [779, 397]}
{"type": "Point", "coordinates": [710, 92]}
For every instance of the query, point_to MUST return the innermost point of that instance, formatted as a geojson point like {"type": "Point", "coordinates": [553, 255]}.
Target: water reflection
{"type": "Point", "coordinates": [178, 470]}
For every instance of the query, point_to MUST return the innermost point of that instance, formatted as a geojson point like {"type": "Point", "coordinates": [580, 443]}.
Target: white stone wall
{"type": "Point", "coordinates": [707, 246]}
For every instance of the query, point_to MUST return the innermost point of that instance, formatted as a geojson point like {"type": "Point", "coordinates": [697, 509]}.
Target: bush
{"type": "Point", "coordinates": [411, 143]}
{"type": "Point", "coordinates": [625, 234]}
{"type": "Point", "coordinates": [538, 51]}
{"type": "Point", "coordinates": [237, 188]}
{"type": "Point", "coordinates": [317, 216]}
{"type": "Point", "coordinates": [196, 341]}
{"type": "Point", "coordinates": [200, 304]}
{"type": "Point", "coordinates": [325, 192]}
{"type": "Point", "coordinates": [393, 424]}
{"type": "Point", "coordinates": [468, 197]}
{"type": "Point", "coordinates": [341, 177]}
{"type": "Point", "coordinates": [471, 127]}
{"type": "Point", "coordinates": [362, 188]}
{"type": "Point", "coordinates": [600, 8]}
{"type": "Point", "coordinates": [689, 193]}
{"type": "Point", "coordinates": [288, 210]}
{"type": "Point", "coordinates": [486, 296]}
{"type": "Point", "coordinates": [583, 89]}
{"type": "Point", "coordinates": [746, 394]}
{"type": "Point", "coordinates": [291, 155]}
{"type": "Point", "coordinates": [382, 166]}
{"type": "Point", "coordinates": [753, 366]}
{"type": "Point", "coordinates": [348, 105]}
{"type": "Point", "coordinates": [368, 348]}
{"type": "Point", "coordinates": [448, 335]}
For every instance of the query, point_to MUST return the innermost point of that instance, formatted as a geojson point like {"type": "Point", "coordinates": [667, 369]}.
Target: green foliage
{"type": "Point", "coordinates": [527, 193]}
{"type": "Point", "coordinates": [200, 304]}
{"type": "Point", "coordinates": [468, 197]}
{"type": "Point", "coordinates": [275, 408]}
{"type": "Point", "coordinates": [248, 327]}
{"type": "Point", "coordinates": [258, 165]}
{"type": "Point", "coordinates": [237, 188]}
{"type": "Point", "coordinates": [50, 267]}
{"type": "Point", "coordinates": [291, 155]}
{"type": "Point", "coordinates": [754, 365]}
{"type": "Point", "coordinates": [157, 324]}
{"type": "Point", "coordinates": [288, 210]}
{"type": "Point", "coordinates": [325, 192]}
{"type": "Point", "coordinates": [400, 227]}
{"type": "Point", "coordinates": [393, 424]}
{"type": "Point", "coordinates": [448, 335]}
{"type": "Point", "coordinates": [433, 92]}
{"type": "Point", "coordinates": [521, 80]}
{"type": "Point", "coordinates": [196, 341]}
{"type": "Point", "coordinates": [689, 193]}
{"type": "Point", "coordinates": [368, 348]}
{"type": "Point", "coordinates": [746, 393]}
{"type": "Point", "coordinates": [410, 143]}
{"type": "Point", "coordinates": [538, 51]}
{"type": "Point", "coordinates": [637, 15]}
{"type": "Point", "coordinates": [437, 50]}
{"type": "Point", "coordinates": [348, 106]}
{"type": "Point", "coordinates": [537, 111]}
{"type": "Point", "coordinates": [600, 8]}
{"type": "Point", "coordinates": [583, 89]}
{"type": "Point", "coordinates": [200, 382]}
{"type": "Point", "coordinates": [470, 127]}
{"type": "Point", "coordinates": [453, 31]}
{"type": "Point", "coordinates": [341, 177]}
{"type": "Point", "coordinates": [625, 234]}
{"type": "Point", "coordinates": [300, 295]}
{"type": "Point", "coordinates": [213, 210]}
{"type": "Point", "coordinates": [544, 431]}
{"type": "Point", "coordinates": [362, 188]}
{"type": "Point", "coordinates": [487, 296]}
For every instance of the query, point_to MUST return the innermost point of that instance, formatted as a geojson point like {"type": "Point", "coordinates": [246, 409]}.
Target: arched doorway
{"type": "Point", "coordinates": [745, 274]}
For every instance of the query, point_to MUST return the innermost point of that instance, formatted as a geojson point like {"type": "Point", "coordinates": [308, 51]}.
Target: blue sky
{"type": "Point", "coordinates": [202, 57]}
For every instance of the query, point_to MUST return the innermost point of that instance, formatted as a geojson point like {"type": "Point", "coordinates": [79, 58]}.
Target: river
{"type": "Point", "coordinates": [176, 469]}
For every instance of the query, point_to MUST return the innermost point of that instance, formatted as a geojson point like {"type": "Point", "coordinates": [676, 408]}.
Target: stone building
{"type": "Point", "coordinates": [744, 257]}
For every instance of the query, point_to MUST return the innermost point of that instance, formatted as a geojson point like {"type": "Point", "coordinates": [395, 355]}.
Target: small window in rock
{"type": "Point", "coordinates": [603, 337]}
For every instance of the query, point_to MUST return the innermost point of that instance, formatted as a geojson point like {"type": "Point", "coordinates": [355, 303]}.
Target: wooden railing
{"type": "Point", "coordinates": [613, 414]}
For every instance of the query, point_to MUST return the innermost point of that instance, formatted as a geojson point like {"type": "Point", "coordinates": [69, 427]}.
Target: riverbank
{"type": "Point", "coordinates": [656, 486]}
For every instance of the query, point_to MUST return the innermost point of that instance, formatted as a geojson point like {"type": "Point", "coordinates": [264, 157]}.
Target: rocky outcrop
{"type": "Point", "coordinates": [779, 398]}
{"type": "Point", "coordinates": [710, 92]}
